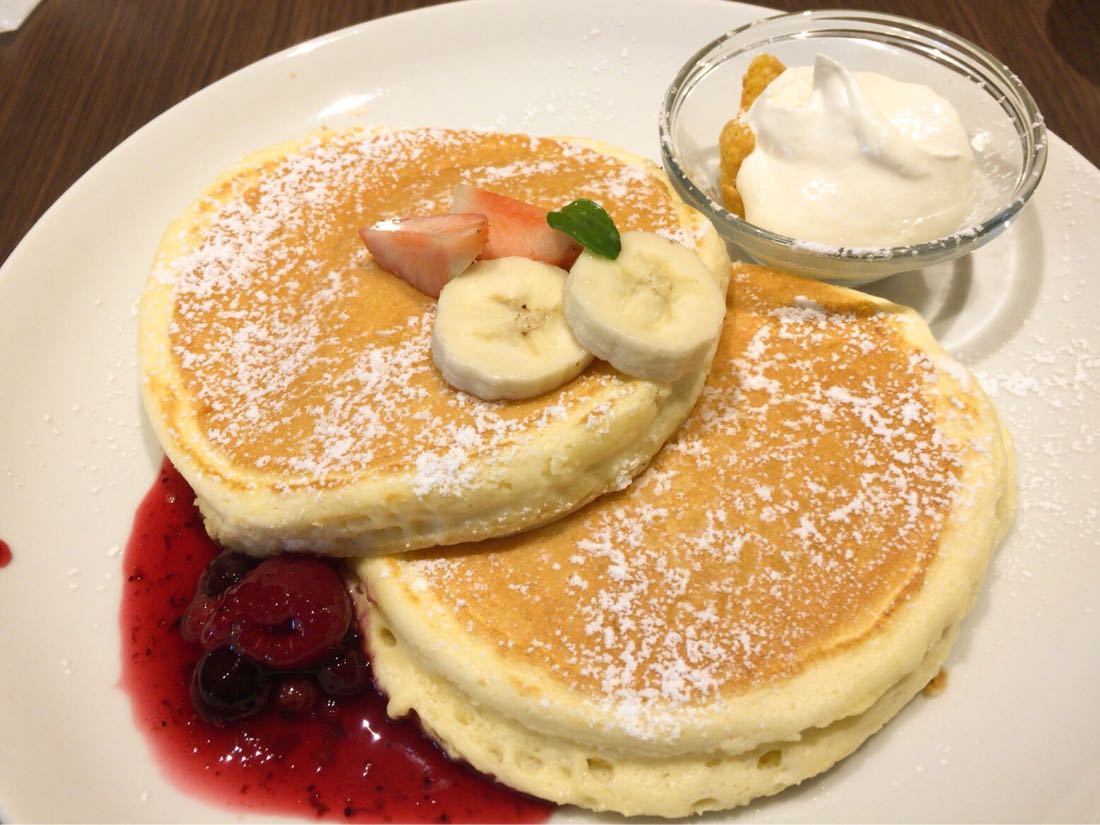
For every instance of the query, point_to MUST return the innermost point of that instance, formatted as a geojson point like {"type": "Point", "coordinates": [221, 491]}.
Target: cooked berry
{"type": "Point", "coordinates": [196, 616]}
{"type": "Point", "coordinates": [288, 613]}
{"type": "Point", "coordinates": [296, 695]}
{"type": "Point", "coordinates": [224, 571]}
{"type": "Point", "coordinates": [328, 708]}
{"type": "Point", "coordinates": [227, 686]}
{"type": "Point", "coordinates": [344, 673]}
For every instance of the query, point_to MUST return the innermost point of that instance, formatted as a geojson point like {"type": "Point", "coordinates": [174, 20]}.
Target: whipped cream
{"type": "Point", "coordinates": [855, 159]}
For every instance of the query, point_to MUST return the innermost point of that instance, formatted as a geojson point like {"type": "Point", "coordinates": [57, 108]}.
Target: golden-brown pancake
{"type": "Point", "coordinates": [290, 378]}
{"type": "Point", "coordinates": [787, 573]}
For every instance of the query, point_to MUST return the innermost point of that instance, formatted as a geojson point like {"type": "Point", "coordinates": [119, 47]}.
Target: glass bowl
{"type": "Point", "coordinates": [1005, 128]}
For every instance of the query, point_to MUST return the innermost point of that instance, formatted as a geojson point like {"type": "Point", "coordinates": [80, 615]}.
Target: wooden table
{"type": "Point", "coordinates": [81, 75]}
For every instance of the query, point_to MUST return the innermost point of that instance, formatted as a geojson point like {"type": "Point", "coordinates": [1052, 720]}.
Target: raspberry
{"type": "Point", "coordinates": [288, 613]}
{"type": "Point", "coordinates": [196, 616]}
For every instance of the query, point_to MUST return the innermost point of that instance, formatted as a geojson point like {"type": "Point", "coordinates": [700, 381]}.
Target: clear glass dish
{"type": "Point", "coordinates": [1005, 128]}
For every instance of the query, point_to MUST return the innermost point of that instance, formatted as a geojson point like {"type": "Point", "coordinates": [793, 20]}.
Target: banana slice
{"type": "Point", "coordinates": [653, 312]}
{"type": "Point", "coordinates": [500, 333]}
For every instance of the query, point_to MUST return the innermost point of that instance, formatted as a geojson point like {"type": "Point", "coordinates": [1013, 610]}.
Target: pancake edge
{"type": "Point", "coordinates": [600, 779]}
{"type": "Point", "coordinates": [264, 514]}
{"type": "Point", "coordinates": [841, 685]}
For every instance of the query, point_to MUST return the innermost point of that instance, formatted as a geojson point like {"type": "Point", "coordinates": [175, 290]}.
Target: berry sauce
{"type": "Point", "coordinates": [5, 554]}
{"type": "Point", "coordinates": [344, 761]}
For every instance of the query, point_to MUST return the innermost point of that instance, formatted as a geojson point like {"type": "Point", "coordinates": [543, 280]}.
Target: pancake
{"type": "Point", "coordinates": [290, 380]}
{"type": "Point", "coordinates": [786, 574]}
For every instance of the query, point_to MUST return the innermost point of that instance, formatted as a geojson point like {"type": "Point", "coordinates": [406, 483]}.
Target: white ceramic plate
{"type": "Point", "coordinates": [1015, 737]}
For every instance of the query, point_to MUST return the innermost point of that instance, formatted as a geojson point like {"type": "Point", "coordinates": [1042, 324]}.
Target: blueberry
{"type": "Point", "coordinates": [344, 673]}
{"type": "Point", "coordinates": [228, 686]}
{"type": "Point", "coordinates": [224, 571]}
{"type": "Point", "coordinates": [296, 695]}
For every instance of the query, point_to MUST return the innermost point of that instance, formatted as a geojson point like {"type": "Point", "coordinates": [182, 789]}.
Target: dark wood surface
{"type": "Point", "coordinates": [79, 76]}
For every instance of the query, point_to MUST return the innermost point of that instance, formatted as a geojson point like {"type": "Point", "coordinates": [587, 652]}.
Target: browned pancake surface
{"type": "Point", "coordinates": [306, 358]}
{"type": "Point", "coordinates": [795, 509]}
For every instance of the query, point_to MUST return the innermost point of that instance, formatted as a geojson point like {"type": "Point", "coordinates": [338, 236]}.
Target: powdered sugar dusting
{"type": "Point", "coordinates": [1048, 396]}
{"type": "Point", "coordinates": [306, 361]}
{"type": "Point", "coordinates": [801, 498]}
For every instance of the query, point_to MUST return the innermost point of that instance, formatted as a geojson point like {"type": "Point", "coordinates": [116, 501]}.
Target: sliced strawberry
{"type": "Point", "coordinates": [427, 251]}
{"type": "Point", "coordinates": [516, 227]}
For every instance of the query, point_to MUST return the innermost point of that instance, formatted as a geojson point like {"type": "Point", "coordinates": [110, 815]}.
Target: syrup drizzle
{"type": "Point", "coordinates": [348, 762]}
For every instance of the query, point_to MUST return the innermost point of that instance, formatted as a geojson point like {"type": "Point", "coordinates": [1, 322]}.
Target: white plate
{"type": "Point", "coordinates": [1015, 737]}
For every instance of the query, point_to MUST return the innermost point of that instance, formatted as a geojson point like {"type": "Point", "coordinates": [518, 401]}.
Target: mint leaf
{"type": "Point", "coordinates": [588, 224]}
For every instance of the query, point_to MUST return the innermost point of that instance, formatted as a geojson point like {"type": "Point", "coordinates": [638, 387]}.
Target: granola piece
{"type": "Point", "coordinates": [737, 141]}
{"type": "Point", "coordinates": [734, 145]}
{"type": "Point", "coordinates": [763, 69]}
